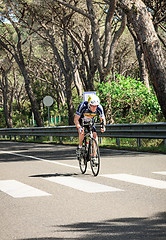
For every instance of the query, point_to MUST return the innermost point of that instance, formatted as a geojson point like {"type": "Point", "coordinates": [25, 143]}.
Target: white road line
{"type": "Point", "coordinates": [124, 177]}
{"type": "Point", "coordinates": [82, 185]}
{"type": "Point", "coordinates": [41, 159]}
{"type": "Point", "coordinates": [162, 173]}
{"type": "Point", "coordinates": [138, 180]}
{"type": "Point", "coordinates": [19, 190]}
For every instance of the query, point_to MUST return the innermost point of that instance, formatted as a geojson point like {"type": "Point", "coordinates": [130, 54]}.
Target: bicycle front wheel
{"type": "Point", "coordinates": [94, 157]}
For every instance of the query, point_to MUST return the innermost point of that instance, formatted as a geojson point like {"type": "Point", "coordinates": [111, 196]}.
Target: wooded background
{"type": "Point", "coordinates": [63, 48]}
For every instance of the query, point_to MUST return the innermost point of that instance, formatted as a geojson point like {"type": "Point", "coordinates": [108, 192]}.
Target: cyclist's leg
{"type": "Point", "coordinates": [81, 134]}
{"type": "Point", "coordinates": [95, 160]}
{"type": "Point", "coordinates": [79, 148]}
{"type": "Point", "coordinates": [81, 137]}
{"type": "Point", "coordinates": [96, 138]}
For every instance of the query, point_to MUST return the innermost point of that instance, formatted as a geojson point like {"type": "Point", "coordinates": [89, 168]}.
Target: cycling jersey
{"type": "Point", "coordinates": [85, 113]}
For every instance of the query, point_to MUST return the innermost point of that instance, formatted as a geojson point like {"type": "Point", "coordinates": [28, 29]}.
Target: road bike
{"type": "Point", "coordinates": [90, 149]}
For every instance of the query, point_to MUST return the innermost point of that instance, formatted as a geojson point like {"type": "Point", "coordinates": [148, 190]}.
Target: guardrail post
{"type": "Point", "coordinates": [100, 140]}
{"type": "Point", "coordinates": [118, 141]}
{"type": "Point", "coordinates": [165, 143]}
{"type": "Point", "coordinates": [139, 142]}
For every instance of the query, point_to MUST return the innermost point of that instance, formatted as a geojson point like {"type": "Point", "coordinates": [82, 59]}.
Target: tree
{"type": "Point", "coordinates": [144, 76]}
{"type": "Point", "coordinates": [8, 93]}
{"type": "Point", "coordinates": [53, 24]}
{"type": "Point", "coordinates": [141, 20]}
{"type": "Point", "coordinates": [104, 47]}
{"type": "Point", "coordinates": [158, 8]}
{"type": "Point", "coordinates": [11, 39]}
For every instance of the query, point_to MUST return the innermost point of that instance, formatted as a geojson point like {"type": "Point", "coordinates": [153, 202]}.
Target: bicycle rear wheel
{"type": "Point", "coordinates": [82, 159]}
{"type": "Point", "coordinates": [94, 157]}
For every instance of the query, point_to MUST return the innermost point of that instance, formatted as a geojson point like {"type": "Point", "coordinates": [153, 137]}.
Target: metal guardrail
{"type": "Point", "coordinates": [133, 130]}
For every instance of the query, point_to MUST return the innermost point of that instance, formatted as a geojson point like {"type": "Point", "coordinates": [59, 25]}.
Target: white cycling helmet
{"type": "Point", "coordinates": [94, 100]}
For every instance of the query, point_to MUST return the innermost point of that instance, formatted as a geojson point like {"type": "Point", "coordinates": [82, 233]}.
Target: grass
{"type": "Point", "coordinates": [147, 145]}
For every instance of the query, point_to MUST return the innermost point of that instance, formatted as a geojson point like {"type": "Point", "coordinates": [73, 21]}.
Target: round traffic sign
{"type": "Point", "coordinates": [48, 101]}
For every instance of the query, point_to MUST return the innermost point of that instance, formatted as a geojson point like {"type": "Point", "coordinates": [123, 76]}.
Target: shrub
{"type": "Point", "coordinates": [130, 101]}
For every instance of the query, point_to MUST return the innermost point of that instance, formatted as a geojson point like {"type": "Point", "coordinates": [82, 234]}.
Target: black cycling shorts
{"type": "Point", "coordinates": [87, 127]}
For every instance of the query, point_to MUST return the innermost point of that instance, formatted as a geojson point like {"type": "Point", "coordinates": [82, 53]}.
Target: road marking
{"type": "Point", "coordinates": [138, 180]}
{"type": "Point", "coordinates": [162, 173]}
{"type": "Point", "coordinates": [82, 185]}
{"type": "Point", "coordinates": [124, 177]}
{"type": "Point", "coordinates": [41, 159]}
{"type": "Point", "coordinates": [19, 190]}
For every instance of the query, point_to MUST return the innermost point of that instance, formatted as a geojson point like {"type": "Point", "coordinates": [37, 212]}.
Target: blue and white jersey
{"type": "Point", "coordinates": [85, 113]}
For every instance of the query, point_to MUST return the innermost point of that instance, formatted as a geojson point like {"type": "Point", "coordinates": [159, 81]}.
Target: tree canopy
{"type": "Point", "coordinates": [62, 48]}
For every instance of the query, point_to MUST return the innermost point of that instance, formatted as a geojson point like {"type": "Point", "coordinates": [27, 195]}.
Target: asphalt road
{"type": "Point", "coordinates": [43, 195]}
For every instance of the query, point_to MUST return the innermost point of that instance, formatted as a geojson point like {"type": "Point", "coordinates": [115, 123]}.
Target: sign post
{"type": "Point", "coordinates": [48, 101]}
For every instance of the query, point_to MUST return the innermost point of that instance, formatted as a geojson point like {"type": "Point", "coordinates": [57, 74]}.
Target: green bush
{"type": "Point", "coordinates": [131, 101]}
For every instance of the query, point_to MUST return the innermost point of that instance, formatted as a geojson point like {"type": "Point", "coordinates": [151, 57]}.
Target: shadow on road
{"type": "Point", "coordinates": [55, 175]}
{"type": "Point", "coordinates": [50, 152]}
{"type": "Point", "coordinates": [152, 228]}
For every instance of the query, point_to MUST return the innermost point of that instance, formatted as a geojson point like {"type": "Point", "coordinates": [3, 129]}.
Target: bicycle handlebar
{"type": "Point", "coordinates": [92, 123]}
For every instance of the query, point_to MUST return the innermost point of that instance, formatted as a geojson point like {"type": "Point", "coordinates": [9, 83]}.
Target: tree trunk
{"type": "Point", "coordinates": [142, 23]}
{"type": "Point", "coordinates": [144, 76]}
{"type": "Point", "coordinates": [34, 105]}
{"type": "Point", "coordinates": [87, 67]}
{"type": "Point", "coordinates": [68, 80]}
{"type": "Point", "coordinates": [77, 81]}
{"type": "Point", "coordinates": [96, 39]}
{"type": "Point", "coordinates": [69, 101]}
{"type": "Point", "coordinates": [7, 109]}
{"type": "Point", "coordinates": [18, 56]}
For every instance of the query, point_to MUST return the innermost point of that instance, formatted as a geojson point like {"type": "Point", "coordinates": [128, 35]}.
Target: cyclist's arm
{"type": "Point", "coordinates": [76, 121]}
{"type": "Point", "coordinates": [101, 114]}
{"type": "Point", "coordinates": [102, 119]}
{"type": "Point", "coordinates": [103, 123]}
{"type": "Point", "coordinates": [78, 126]}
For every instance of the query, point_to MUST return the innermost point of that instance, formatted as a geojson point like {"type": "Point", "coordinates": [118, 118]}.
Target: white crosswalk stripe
{"type": "Point", "coordinates": [19, 190]}
{"type": "Point", "coordinates": [138, 180]}
{"type": "Point", "coordinates": [162, 173]}
{"type": "Point", "coordinates": [83, 185]}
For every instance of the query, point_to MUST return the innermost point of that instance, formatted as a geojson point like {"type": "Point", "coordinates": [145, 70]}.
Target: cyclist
{"type": "Point", "coordinates": [85, 111]}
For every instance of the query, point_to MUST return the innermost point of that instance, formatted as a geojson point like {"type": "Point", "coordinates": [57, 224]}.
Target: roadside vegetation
{"type": "Point", "coordinates": [131, 102]}
{"type": "Point", "coordinates": [64, 48]}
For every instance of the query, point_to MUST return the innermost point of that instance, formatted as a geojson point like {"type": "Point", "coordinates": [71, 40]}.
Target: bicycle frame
{"type": "Point", "coordinates": [92, 152]}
